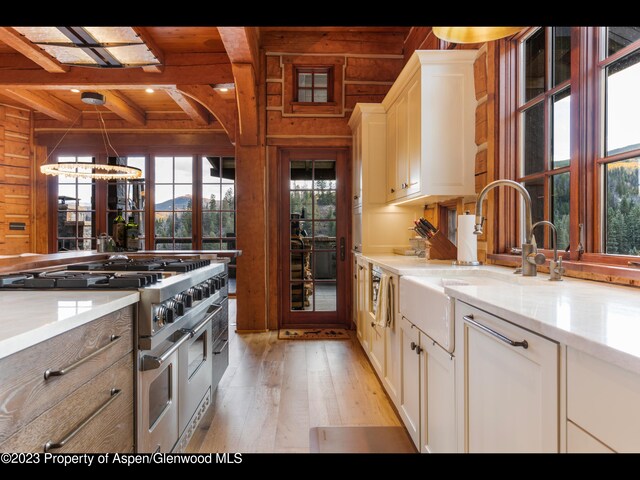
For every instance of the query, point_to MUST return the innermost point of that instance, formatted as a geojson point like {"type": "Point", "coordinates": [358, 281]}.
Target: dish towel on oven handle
{"type": "Point", "coordinates": [384, 302]}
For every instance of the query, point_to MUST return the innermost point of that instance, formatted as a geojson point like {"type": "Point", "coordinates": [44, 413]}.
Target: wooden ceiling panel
{"type": "Point", "coordinates": [187, 39]}
{"type": "Point", "coordinates": [158, 101]}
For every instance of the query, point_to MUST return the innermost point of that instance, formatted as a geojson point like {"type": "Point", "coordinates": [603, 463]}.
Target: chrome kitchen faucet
{"type": "Point", "coordinates": [530, 256]}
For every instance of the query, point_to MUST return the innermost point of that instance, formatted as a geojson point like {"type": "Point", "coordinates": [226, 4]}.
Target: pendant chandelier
{"type": "Point", "coordinates": [91, 170]}
{"type": "Point", "coordinates": [473, 34]}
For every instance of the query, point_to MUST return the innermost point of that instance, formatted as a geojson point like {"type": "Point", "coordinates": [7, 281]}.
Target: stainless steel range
{"type": "Point", "coordinates": [182, 332]}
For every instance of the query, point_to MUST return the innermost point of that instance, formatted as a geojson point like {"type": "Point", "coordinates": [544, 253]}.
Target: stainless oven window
{"type": "Point", "coordinates": [197, 353]}
{"type": "Point", "coordinates": [160, 395]}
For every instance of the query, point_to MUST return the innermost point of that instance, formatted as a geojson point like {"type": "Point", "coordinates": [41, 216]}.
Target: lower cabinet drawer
{"type": "Point", "coordinates": [34, 380]}
{"type": "Point", "coordinates": [97, 417]}
{"type": "Point", "coordinates": [603, 400]}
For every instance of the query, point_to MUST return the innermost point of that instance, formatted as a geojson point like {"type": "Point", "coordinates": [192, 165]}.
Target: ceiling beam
{"type": "Point", "coordinates": [195, 110]}
{"type": "Point", "coordinates": [123, 107]}
{"type": "Point", "coordinates": [247, 102]}
{"type": "Point", "coordinates": [45, 103]}
{"type": "Point", "coordinates": [34, 53]}
{"type": "Point", "coordinates": [211, 100]}
{"type": "Point", "coordinates": [242, 46]}
{"type": "Point", "coordinates": [153, 47]}
{"type": "Point", "coordinates": [117, 78]}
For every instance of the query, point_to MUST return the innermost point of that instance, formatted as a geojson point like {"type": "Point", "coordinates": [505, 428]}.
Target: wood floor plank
{"type": "Point", "coordinates": [293, 415]}
{"type": "Point", "coordinates": [323, 404]}
{"type": "Point", "coordinates": [275, 390]}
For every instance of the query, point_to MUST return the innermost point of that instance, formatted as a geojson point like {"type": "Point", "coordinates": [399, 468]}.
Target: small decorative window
{"type": "Point", "coordinates": [313, 85]}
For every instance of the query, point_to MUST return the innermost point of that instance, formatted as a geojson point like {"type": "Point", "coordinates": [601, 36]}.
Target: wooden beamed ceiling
{"type": "Point", "coordinates": [192, 56]}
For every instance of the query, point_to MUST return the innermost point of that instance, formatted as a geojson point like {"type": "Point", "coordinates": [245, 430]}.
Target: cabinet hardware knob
{"type": "Point", "coordinates": [419, 350]}
{"type": "Point", "coordinates": [355, 197]}
{"type": "Point", "coordinates": [393, 190]}
{"type": "Point", "coordinates": [413, 345]}
{"type": "Point", "coordinates": [373, 324]}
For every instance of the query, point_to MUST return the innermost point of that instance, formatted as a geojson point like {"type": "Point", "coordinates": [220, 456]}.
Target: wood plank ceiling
{"type": "Point", "coordinates": [193, 56]}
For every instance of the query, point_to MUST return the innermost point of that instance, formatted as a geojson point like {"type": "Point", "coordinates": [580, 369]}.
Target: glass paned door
{"type": "Point", "coordinates": [313, 238]}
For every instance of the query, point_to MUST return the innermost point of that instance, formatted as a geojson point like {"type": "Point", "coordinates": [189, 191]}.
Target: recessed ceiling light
{"type": "Point", "coordinates": [75, 90]}
{"type": "Point", "coordinates": [223, 89]}
{"type": "Point", "coordinates": [149, 90]}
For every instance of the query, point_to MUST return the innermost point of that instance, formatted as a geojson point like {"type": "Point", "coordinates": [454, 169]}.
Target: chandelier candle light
{"type": "Point", "coordinates": [92, 170]}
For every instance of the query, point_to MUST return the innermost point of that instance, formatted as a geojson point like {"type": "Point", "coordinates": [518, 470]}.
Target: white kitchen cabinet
{"type": "Point", "coordinates": [392, 346]}
{"type": "Point", "coordinates": [603, 399]}
{"type": "Point", "coordinates": [377, 347]}
{"type": "Point", "coordinates": [362, 330]}
{"type": "Point", "coordinates": [431, 151]}
{"type": "Point", "coordinates": [410, 379]}
{"type": "Point", "coordinates": [376, 226]}
{"type": "Point", "coordinates": [507, 389]}
{"type": "Point", "coordinates": [437, 399]}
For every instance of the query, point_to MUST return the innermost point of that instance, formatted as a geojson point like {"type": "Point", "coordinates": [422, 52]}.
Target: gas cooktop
{"type": "Point", "coordinates": [143, 265]}
{"type": "Point", "coordinates": [78, 280]}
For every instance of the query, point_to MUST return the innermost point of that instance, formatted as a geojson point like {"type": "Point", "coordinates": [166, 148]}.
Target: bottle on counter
{"type": "Point", "coordinates": [133, 235]}
{"type": "Point", "coordinates": [119, 234]}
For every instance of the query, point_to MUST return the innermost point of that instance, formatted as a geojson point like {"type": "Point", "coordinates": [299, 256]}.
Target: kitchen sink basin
{"type": "Point", "coordinates": [425, 304]}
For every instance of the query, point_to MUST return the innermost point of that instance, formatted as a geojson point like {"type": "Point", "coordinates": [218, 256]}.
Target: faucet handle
{"type": "Point", "coordinates": [536, 258]}
{"type": "Point", "coordinates": [556, 270]}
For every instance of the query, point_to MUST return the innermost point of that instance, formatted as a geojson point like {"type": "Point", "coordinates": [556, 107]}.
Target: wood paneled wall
{"type": "Point", "coordinates": [16, 175]}
{"type": "Point", "coordinates": [367, 63]}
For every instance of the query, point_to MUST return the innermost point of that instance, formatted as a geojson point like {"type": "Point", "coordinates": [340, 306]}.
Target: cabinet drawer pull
{"type": "Point", "coordinates": [113, 339]}
{"type": "Point", "coordinates": [469, 318]}
{"type": "Point", "coordinates": [54, 445]}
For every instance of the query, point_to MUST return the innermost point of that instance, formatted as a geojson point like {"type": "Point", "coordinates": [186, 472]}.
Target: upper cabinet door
{"type": "Point", "coordinates": [434, 102]}
{"type": "Point", "coordinates": [357, 167]}
{"type": "Point", "coordinates": [414, 137]}
{"type": "Point", "coordinates": [392, 154]}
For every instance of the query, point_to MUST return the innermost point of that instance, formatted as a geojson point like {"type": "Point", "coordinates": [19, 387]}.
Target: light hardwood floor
{"type": "Point", "coordinates": [275, 390]}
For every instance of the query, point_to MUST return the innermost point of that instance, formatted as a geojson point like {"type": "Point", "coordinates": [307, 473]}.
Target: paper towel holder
{"type": "Point", "coordinates": [461, 263]}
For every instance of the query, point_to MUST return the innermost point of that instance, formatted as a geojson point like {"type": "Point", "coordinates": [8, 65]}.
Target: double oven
{"type": "Point", "coordinates": [182, 354]}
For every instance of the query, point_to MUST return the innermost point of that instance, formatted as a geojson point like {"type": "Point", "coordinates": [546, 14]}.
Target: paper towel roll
{"type": "Point", "coordinates": [467, 241]}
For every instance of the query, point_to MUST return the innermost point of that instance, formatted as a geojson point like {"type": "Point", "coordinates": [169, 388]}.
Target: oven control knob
{"type": "Point", "coordinates": [163, 316]}
{"type": "Point", "coordinates": [205, 289]}
{"type": "Point", "coordinates": [174, 309]}
{"type": "Point", "coordinates": [196, 293]}
{"type": "Point", "coordinates": [212, 285]}
{"type": "Point", "coordinates": [184, 298]}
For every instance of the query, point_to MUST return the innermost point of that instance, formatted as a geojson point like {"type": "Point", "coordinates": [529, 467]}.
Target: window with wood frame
{"type": "Point", "coordinates": [572, 109]}
{"type": "Point", "coordinates": [76, 205]}
{"type": "Point", "coordinates": [543, 151]}
{"type": "Point", "coordinates": [313, 84]}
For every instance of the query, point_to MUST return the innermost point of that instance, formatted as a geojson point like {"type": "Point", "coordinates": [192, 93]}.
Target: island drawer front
{"type": "Point", "coordinates": [603, 400]}
{"type": "Point", "coordinates": [111, 430]}
{"type": "Point", "coordinates": [24, 391]}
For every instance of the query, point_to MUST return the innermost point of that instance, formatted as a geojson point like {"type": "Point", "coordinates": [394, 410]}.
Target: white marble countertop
{"type": "Point", "coordinates": [30, 317]}
{"type": "Point", "coordinates": [598, 318]}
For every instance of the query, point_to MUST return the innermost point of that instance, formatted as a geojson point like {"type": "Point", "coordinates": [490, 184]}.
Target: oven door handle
{"type": "Point", "coordinates": [151, 362]}
{"type": "Point", "coordinates": [194, 331]}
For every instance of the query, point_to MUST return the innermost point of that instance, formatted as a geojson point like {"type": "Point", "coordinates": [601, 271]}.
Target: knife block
{"type": "Point", "coordinates": [442, 248]}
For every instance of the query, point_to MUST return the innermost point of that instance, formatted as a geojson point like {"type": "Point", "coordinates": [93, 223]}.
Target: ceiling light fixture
{"type": "Point", "coordinates": [149, 90]}
{"type": "Point", "coordinates": [91, 170]}
{"type": "Point", "coordinates": [474, 34]}
{"type": "Point", "coordinates": [223, 87]}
